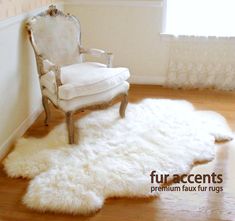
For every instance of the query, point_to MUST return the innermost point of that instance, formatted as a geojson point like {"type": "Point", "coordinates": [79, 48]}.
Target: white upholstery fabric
{"type": "Point", "coordinates": [85, 79]}
{"type": "Point", "coordinates": [83, 101]}
{"type": "Point", "coordinates": [57, 38]}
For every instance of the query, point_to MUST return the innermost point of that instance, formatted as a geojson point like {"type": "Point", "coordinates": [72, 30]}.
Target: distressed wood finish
{"type": "Point", "coordinates": [70, 126]}
{"type": "Point", "coordinates": [53, 11]}
{"type": "Point", "coordinates": [123, 106]}
{"type": "Point", "coordinates": [47, 110]}
{"type": "Point", "coordinates": [181, 206]}
{"type": "Point", "coordinates": [101, 106]}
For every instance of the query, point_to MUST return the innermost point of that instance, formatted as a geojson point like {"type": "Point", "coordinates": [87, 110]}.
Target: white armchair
{"type": "Point", "coordinates": [66, 80]}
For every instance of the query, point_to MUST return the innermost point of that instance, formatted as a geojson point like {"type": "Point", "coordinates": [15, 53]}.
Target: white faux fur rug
{"type": "Point", "coordinates": [115, 156]}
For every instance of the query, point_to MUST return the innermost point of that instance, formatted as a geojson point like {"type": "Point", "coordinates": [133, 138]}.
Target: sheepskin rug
{"type": "Point", "coordinates": [115, 156]}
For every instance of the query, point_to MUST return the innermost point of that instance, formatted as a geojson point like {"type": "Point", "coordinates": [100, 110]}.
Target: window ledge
{"type": "Point", "coordinates": [174, 37]}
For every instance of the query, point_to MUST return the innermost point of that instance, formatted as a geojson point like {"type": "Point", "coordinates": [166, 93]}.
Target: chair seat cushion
{"type": "Point", "coordinates": [86, 101]}
{"type": "Point", "coordinates": [85, 79]}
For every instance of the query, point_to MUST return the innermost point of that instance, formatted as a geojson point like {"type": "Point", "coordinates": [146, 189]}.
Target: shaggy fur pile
{"type": "Point", "coordinates": [115, 156]}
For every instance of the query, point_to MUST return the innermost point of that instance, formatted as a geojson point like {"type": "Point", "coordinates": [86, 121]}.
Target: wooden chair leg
{"type": "Point", "coordinates": [123, 106]}
{"type": "Point", "coordinates": [47, 110]}
{"type": "Point", "coordinates": [70, 127]}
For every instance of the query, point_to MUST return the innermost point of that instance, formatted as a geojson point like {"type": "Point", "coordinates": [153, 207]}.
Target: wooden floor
{"type": "Point", "coordinates": [171, 205]}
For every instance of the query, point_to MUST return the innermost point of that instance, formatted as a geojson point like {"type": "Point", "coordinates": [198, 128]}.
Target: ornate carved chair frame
{"type": "Point", "coordinates": [40, 59]}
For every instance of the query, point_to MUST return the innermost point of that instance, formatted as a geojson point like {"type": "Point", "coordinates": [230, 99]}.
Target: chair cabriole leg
{"type": "Point", "coordinates": [70, 127]}
{"type": "Point", "coordinates": [46, 109]}
{"type": "Point", "coordinates": [123, 106]}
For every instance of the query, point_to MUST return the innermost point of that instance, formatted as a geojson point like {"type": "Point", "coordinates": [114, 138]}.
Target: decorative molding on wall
{"type": "Point", "coordinates": [129, 3]}
{"type": "Point", "coordinates": [147, 79]}
{"type": "Point", "coordinates": [19, 18]}
{"type": "Point", "coordinates": [9, 8]}
{"type": "Point", "coordinates": [19, 131]}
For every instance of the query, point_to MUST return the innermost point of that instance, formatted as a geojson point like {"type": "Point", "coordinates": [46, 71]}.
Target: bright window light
{"type": "Point", "coordinates": [200, 17]}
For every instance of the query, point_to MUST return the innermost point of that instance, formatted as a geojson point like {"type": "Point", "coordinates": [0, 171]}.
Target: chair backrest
{"type": "Point", "coordinates": [55, 36]}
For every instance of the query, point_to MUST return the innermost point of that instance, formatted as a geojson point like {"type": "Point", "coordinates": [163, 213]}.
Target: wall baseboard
{"type": "Point", "coordinates": [131, 3]}
{"type": "Point", "coordinates": [150, 80]}
{"type": "Point", "coordinates": [19, 131]}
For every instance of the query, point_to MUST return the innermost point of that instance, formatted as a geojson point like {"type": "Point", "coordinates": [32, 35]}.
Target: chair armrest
{"type": "Point", "coordinates": [49, 66]}
{"type": "Point", "coordinates": [98, 53]}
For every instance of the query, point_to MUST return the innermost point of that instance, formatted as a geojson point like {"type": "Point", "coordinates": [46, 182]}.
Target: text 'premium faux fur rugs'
{"type": "Point", "coordinates": [115, 156]}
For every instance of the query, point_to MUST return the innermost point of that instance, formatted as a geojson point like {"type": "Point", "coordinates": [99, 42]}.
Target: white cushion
{"type": "Point", "coordinates": [85, 79]}
{"type": "Point", "coordinates": [84, 101]}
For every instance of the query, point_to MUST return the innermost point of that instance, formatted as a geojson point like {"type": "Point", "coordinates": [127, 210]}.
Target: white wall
{"type": "Point", "coordinates": [130, 29]}
{"type": "Point", "coordinates": [19, 89]}
{"type": "Point", "coordinates": [20, 97]}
